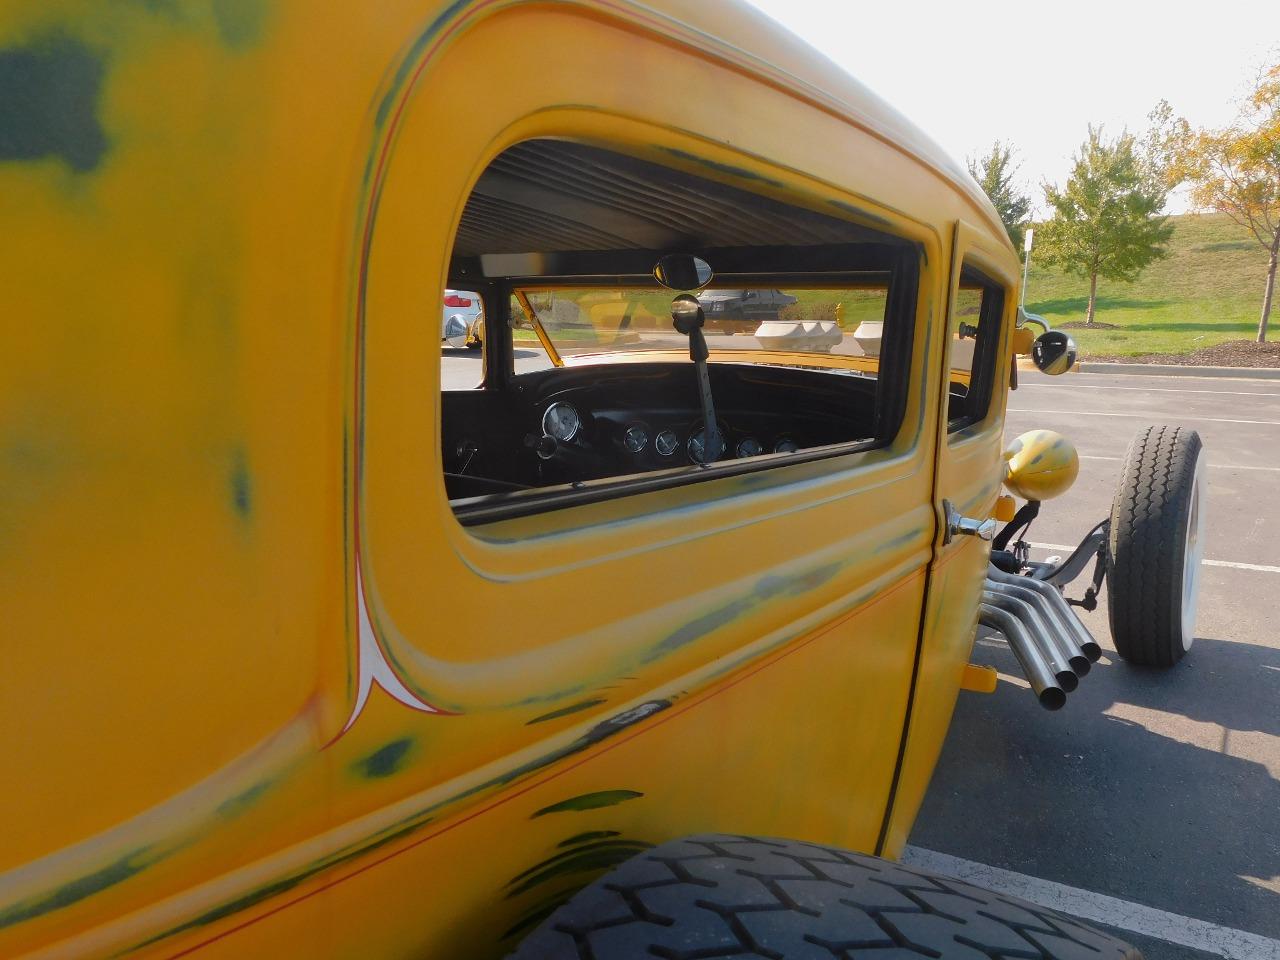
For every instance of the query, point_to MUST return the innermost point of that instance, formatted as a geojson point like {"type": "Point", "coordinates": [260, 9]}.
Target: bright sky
{"type": "Point", "coordinates": [1038, 74]}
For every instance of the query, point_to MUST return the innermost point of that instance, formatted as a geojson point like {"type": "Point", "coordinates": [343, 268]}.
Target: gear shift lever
{"type": "Point", "coordinates": [687, 318]}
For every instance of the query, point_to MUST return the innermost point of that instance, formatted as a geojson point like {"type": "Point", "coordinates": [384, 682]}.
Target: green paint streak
{"type": "Point", "coordinates": [49, 107]}
{"type": "Point", "coordinates": [589, 801]}
{"type": "Point", "coordinates": [277, 887]}
{"type": "Point", "coordinates": [599, 860]}
{"type": "Point", "coordinates": [407, 65]}
{"type": "Point", "coordinates": [730, 665]}
{"type": "Point", "coordinates": [240, 22]}
{"type": "Point", "coordinates": [551, 697]}
{"type": "Point", "coordinates": [565, 711]}
{"type": "Point", "coordinates": [899, 541]}
{"type": "Point", "coordinates": [384, 761]}
{"type": "Point", "coordinates": [234, 806]}
{"type": "Point", "coordinates": [797, 586]}
{"type": "Point", "coordinates": [568, 855]}
{"type": "Point", "coordinates": [588, 836]}
{"type": "Point", "coordinates": [860, 212]}
{"type": "Point", "coordinates": [130, 865]}
{"type": "Point", "coordinates": [765, 589]}
{"type": "Point", "coordinates": [420, 819]}
{"type": "Point", "coordinates": [703, 625]}
{"type": "Point", "coordinates": [238, 481]}
{"type": "Point", "coordinates": [728, 168]}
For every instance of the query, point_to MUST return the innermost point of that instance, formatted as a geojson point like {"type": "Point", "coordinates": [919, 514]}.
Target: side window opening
{"type": "Point", "coordinates": [592, 392]}
{"type": "Point", "coordinates": [975, 335]}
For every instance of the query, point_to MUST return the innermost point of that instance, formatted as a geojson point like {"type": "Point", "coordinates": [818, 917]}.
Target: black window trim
{"type": "Point", "coordinates": [900, 323]}
{"type": "Point", "coordinates": [985, 353]}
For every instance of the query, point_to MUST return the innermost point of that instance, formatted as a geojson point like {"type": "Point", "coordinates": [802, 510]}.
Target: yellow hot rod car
{"type": "Point", "coordinates": [305, 655]}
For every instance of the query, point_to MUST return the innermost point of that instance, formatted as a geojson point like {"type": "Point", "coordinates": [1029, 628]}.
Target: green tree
{"type": "Point", "coordinates": [1159, 145]}
{"type": "Point", "coordinates": [1105, 221]}
{"type": "Point", "coordinates": [994, 173]}
{"type": "Point", "coordinates": [1236, 171]}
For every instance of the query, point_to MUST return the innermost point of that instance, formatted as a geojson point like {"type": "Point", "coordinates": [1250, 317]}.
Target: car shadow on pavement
{"type": "Point", "coordinates": [1158, 787]}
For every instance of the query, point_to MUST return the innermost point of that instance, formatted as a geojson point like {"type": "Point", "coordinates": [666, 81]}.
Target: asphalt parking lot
{"type": "Point", "coordinates": [1158, 788]}
{"type": "Point", "coordinates": [1150, 789]}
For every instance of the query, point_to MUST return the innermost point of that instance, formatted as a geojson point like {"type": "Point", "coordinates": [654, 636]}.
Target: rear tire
{"type": "Point", "coordinates": [1156, 544]}
{"type": "Point", "coordinates": [724, 896]}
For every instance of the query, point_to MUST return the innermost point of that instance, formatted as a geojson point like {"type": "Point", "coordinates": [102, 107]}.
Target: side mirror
{"type": "Point", "coordinates": [1053, 353]}
{"type": "Point", "coordinates": [682, 271]}
{"type": "Point", "coordinates": [455, 332]}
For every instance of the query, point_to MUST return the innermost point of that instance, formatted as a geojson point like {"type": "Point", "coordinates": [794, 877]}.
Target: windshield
{"type": "Point", "coordinates": [821, 322]}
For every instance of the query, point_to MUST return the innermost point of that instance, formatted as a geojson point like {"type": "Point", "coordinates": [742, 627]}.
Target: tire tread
{"type": "Point", "coordinates": [1146, 544]}
{"type": "Point", "coordinates": [800, 901]}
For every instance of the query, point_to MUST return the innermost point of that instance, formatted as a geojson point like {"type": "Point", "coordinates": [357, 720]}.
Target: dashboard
{"type": "Point", "coordinates": [583, 423]}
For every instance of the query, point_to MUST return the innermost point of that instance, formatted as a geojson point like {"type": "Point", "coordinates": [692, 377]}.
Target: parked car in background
{"type": "Point", "coordinates": [463, 321]}
{"type": "Point", "coordinates": [741, 311]}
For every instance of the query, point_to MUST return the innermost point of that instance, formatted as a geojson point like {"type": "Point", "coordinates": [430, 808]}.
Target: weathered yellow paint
{"type": "Point", "coordinates": [979, 678]}
{"type": "Point", "coordinates": [1005, 509]}
{"type": "Point", "coordinates": [217, 402]}
{"type": "Point", "coordinates": [969, 471]}
{"type": "Point", "coordinates": [1040, 465]}
{"type": "Point", "coordinates": [1023, 338]}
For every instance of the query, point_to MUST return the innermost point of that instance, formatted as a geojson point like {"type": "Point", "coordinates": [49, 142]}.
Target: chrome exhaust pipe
{"type": "Point", "coordinates": [1059, 635]}
{"type": "Point", "coordinates": [1066, 616]}
{"type": "Point", "coordinates": [1030, 656]}
{"type": "Point", "coordinates": [1054, 654]}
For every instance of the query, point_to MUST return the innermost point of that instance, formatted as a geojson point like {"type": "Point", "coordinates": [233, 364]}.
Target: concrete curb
{"type": "Point", "coordinates": [1176, 370]}
{"type": "Point", "coordinates": [1167, 370]}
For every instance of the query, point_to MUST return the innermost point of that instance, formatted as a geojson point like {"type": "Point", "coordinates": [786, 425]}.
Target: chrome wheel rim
{"type": "Point", "coordinates": [1193, 553]}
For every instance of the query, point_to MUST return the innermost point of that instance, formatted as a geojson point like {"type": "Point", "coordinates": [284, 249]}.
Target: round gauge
{"type": "Point", "coordinates": [786, 445]}
{"type": "Point", "coordinates": [561, 421]}
{"type": "Point", "coordinates": [750, 447]}
{"type": "Point", "coordinates": [635, 438]}
{"type": "Point", "coordinates": [666, 443]}
{"type": "Point", "coordinates": [698, 446]}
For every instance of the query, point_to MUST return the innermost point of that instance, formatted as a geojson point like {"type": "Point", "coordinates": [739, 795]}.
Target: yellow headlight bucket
{"type": "Point", "coordinates": [1040, 465]}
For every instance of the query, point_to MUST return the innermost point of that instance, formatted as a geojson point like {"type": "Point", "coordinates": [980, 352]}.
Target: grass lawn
{"type": "Point", "coordinates": [1207, 291]}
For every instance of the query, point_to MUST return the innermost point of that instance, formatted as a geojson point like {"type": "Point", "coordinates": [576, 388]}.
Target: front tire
{"type": "Point", "coordinates": [725, 896]}
{"type": "Point", "coordinates": [1156, 544]}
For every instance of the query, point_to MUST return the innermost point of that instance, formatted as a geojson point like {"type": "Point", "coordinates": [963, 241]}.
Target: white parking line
{"type": "Point", "coordinates": [1259, 567]}
{"type": "Point", "coordinates": [1264, 381]}
{"type": "Point", "coordinates": [1147, 416]}
{"type": "Point", "coordinates": [1216, 466]}
{"type": "Point", "coordinates": [1136, 918]}
{"type": "Point", "coordinates": [1107, 386]}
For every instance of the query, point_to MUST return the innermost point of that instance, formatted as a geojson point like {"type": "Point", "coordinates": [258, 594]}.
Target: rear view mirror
{"type": "Point", "coordinates": [682, 271]}
{"type": "Point", "coordinates": [1053, 352]}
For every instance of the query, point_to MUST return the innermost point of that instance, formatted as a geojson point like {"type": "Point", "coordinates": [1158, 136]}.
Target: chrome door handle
{"type": "Point", "coordinates": [959, 526]}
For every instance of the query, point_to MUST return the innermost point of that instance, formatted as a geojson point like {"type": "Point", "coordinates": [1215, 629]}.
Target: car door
{"type": "Point", "coordinates": [980, 313]}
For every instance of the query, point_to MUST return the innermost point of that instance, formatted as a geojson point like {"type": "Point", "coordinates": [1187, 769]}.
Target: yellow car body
{"type": "Point", "coordinates": [220, 477]}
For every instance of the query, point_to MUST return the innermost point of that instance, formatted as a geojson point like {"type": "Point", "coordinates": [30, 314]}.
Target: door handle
{"type": "Point", "coordinates": [961, 526]}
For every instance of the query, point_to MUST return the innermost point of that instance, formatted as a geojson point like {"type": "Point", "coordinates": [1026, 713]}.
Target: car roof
{"type": "Point", "coordinates": [774, 52]}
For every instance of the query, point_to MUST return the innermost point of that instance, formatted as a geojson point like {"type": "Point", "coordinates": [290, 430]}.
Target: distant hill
{"type": "Point", "coordinates": [1208, 291]}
